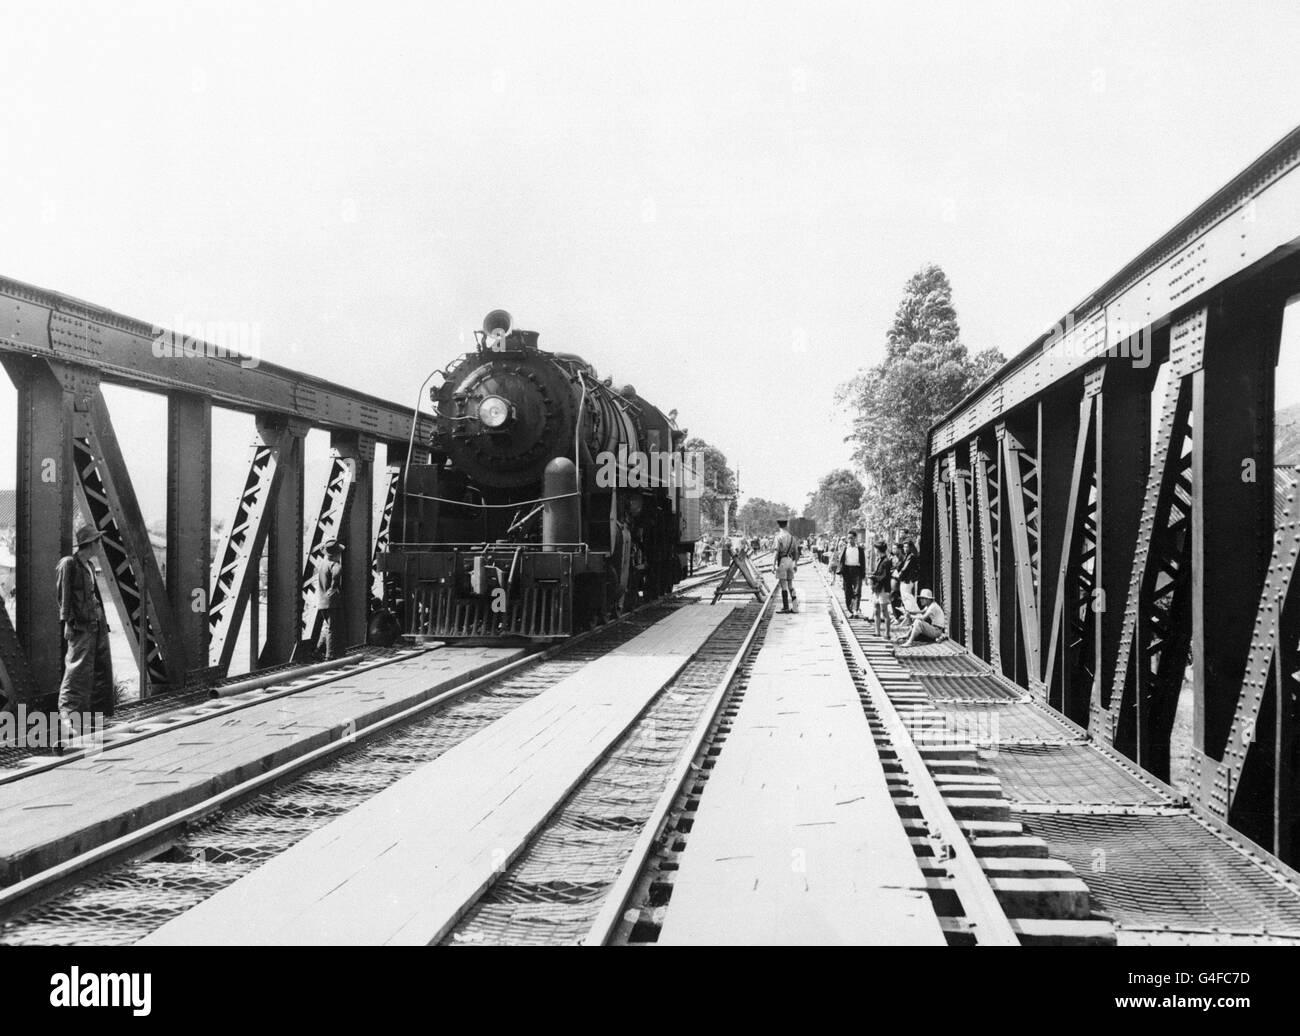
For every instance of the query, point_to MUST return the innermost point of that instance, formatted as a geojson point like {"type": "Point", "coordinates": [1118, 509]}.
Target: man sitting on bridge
{"type": "Point", "coordinates": [928, 625]}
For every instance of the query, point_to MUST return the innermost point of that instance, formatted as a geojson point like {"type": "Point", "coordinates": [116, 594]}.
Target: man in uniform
{"type": "Point", "coordinates": [787, 557]}
{"type": "Point", "coordinates": [87, 685]}
{"type": "Point", "coordinates": [329, 600]}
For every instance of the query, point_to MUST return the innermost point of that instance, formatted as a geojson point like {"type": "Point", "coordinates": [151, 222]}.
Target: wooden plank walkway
{"type": "Point", "coordinates": [53, 815]}
{"type": "Point", "coordinates": [796, 839]}
{"type": "Point", "coordinates": [402, 867]}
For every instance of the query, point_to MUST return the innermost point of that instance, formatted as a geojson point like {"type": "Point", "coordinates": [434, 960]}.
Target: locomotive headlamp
{"type": "Point", "coordinates": [493, 412]}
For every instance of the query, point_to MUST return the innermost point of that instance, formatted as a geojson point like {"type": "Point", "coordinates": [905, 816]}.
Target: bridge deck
{"type": "Point", "coordinates": [797, 838]}
{"type": "Point", "coordinates": [403, 866]}
{"type": "Point", "coordinates": [54, 814]}
{"type": "Point", "coordinates": [1162, 872]}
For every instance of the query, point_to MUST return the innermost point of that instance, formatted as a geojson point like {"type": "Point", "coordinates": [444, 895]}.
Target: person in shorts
{"type": "Point", "coordinates": [787, 558]}
{"type": "Point", "coordinates": [881, 579]}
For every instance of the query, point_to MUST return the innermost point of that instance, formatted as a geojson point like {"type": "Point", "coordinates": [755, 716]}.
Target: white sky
{"type": "Point", "coordinates": [718, 203]}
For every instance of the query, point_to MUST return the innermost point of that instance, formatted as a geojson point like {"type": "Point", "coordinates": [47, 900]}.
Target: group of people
{"type": "Point", "coordinates": [894, 594]}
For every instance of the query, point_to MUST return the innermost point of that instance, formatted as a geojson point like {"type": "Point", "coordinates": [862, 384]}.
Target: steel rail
{"type": "Point", "coordinates": [988, 921]}
{"type": "Point", "coordinates": [49, 882]}
{"type": "Point", "coordinates": [611, 911]}
{"type": "Point", "coordinates": [335, 671]}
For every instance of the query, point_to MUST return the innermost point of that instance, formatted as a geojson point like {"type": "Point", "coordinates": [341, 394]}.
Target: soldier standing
{"type": "Point", "coordinates": [87, 685]}
{"type": "Point", "coordinates": [787, 557]}
{"type": "Point", "coordinates": [329, 600]}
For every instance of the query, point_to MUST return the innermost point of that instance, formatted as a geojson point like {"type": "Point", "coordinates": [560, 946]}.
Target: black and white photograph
{"type": "Point", "coordinates": [739, 476]}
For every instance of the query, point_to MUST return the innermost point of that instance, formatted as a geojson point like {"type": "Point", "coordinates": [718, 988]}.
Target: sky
{"type": "Point", "coordinates": [719, 204]}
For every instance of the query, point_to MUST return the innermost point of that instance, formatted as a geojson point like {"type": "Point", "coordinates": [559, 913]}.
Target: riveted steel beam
{"type": "Point", "coordinates": [963, 618]}
{"type": "Point", "coordinates": [189, 521]}
{"type": "Point", "coordinates": [122, 350]}
{"type": "Point", "coordinates": [943, 524]}
{"type": "Point", "coordinates": [983, 470]}
{"type": "Point", "coordinates": [358, 451]}
{"type": "Point", "coordinates": [1242, 230]}
{"type": "Point", "coordinates": [1071, 655]}
{"type": "Point", "coordinates": [1234, 535]}
{"type": "Point", "coordinates": [1021, 474]}
{"type": "Point", "coordinates": [284, 549]}
{"type": "Point", "coordinates": [1152, 655]}
{"type": "Point", "coordinates": [49, 397]}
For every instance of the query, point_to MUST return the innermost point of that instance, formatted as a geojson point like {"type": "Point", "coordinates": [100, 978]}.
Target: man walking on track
{"type": "Point", "coordinates": [87, 685]}
{"type": "Point", "coordinates": [851, 564]}
{"type": "Point", "coordinates": [787, 557]}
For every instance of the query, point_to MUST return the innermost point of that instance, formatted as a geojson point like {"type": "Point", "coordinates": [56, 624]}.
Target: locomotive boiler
{"type": "Point", "coordinates": [545, 500]}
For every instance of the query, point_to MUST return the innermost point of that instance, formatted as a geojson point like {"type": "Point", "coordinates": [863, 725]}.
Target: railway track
{"type": "Point", "coordinates": [121, 891]}
{"type": "Point", "coordinates": [990, 883]}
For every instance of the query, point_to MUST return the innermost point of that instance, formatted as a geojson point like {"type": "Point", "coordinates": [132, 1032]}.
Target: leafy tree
{"type": "Point", "coordinates": [837, 497]}
{"type": "Point", "coordinates": [717, 479]}
{"type": "Point", "coordinates": [758, 516]}
{"type": "Point", "coordinates": [926, 372]}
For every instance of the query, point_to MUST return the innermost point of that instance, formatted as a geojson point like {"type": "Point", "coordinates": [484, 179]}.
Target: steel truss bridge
{"type": "Point", "coordinates": [183, 626]}
{"type": "Point", "coordinates": [1107, 535]}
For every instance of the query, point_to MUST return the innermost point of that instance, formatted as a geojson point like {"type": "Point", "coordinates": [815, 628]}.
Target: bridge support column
{"type": "Point", "coordinates": [284, 550]}
{"type": "Point", "coordinates": [1059, 428]}
{"type": "Point", "coordinates": [189, 520]}
{"type": "Point", "coordinates": [1232, 530]}
{"type": "Point", "coordinates": [47, 406]}
{"type": "Point", "coordinates": [1018, 441]}
{"type": "Point", "coordinates": [987, 507]}
{"type": "Point", "coordinates": [1123, 432]}
{"type": "Point", "coordinates": [358, 452]}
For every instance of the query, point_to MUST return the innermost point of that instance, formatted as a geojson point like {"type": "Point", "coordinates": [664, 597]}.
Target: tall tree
{"type": "Point", "coordinates": [926, 372]}
{"type": "Point", "coordinates": [837, 497]}
{"type": "Point", "coordinates": [716, 478]}
{"type": "Point", "coordinates": [758, 516]}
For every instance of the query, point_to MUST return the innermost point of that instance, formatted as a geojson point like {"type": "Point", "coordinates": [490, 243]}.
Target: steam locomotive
{"type": "Point", "coordinates": [550, 499]}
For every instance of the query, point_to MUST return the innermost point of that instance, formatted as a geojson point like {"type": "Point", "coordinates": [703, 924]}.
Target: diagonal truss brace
{"type": "Point", "coordinates": [1069, 651]}
{"type": "Point", "coordinates": [241, 548]}
{"type": "Point", "coordinates": [108, 499]}
{"type": "Point", "coordinates": [986, 519]}
{"type": "Point", "coordinates": [1021, 479]}
{"type": "Point", "coordinates": [1218, 784]}
{"type": "Point", "coordinates": [329, 525]}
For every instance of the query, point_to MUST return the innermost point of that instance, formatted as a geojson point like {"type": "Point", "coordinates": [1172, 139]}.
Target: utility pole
{"type": "Point", "coordinates": [726, 517]}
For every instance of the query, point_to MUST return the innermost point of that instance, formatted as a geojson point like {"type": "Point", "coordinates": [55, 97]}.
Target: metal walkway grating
{"type": "Point", "coordinates": [1070, 774]}
{"type": "Point", "coordinates": [1170, 873]}
{"type": "Point", "coordinates": [976, 688]}
{"type": "Point", "coordinates": [1005, 722]}
{"type": "Point", "coordinates": [930, 665]}
{"type": "Point", "coordinates": [942, 649]}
